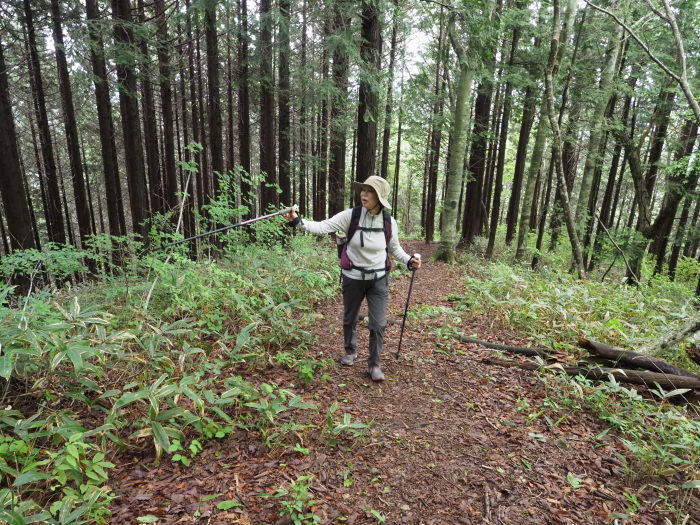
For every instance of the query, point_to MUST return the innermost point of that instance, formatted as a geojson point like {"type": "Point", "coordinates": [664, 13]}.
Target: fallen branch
{"type": "Point", "coordinates": [633, 359]}
{"type": "Point", "coordinates": [637, 377]}
{"type": "Point", "coordinates": [673, 337]}
{"type": "Point", "coordinates": [541, 352]}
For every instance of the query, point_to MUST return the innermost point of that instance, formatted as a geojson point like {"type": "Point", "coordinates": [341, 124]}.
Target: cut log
{"type": "Point", "coordinates": [638, 377]}
{"type": "Point", "coordinates": [541, 352]}
{"type": "Point", "coordinates": [633, 359]}
{"type": "Point", "coordinates": [693, 353]}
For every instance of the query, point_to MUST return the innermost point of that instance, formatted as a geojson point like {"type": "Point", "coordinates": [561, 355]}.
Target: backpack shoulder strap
{"type": "Point", "coordinates": [354, 222]}
{"type": "Point", "coordinates": [387, 225]}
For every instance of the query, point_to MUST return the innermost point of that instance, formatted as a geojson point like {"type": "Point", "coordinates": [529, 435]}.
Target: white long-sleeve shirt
{"type": "Point", "coordinates": [373, 254]}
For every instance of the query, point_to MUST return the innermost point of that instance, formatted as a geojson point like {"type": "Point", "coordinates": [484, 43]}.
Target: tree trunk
{"type": "Point", "coordinates": [110, 164]}
{"type": "Point", "coordinates": [268, 163]}
{"type": "Point", "coordinates": [166, 97]}
{"type": "Point", "coordinates": [214, 102]}
{"type": "Point", "coordinates": [150, 126]}
{"type": "Point", "coordinates": [244, 105]}
{"type": "Point", "coordinates": [389, 95]}
{"type": "Point", "coordinates": [54, 218]}
{"type": "Point", "coordinates": [368, 104]}
{"type": "Point", "coordinates": [593, 158]}
{"type": "Point", "coordinates": [17, 214]}
{"type": "Point", "coordinates": [284, 132]}
{"type": "Point", "coordinates": [556, 138]}
{"type": "Point", "coordinates": [455, 169]}
{"type": "Point", "coordinates": [678, 183]}
{"type": "Point", "coordinates": [473, 208]}
{"type": "Point", "coordinates": [303, 132]}
{"type": "Point", "coordinates": [528, 117]}
{"type": "Point", "coordinates": [128, 105]}
{"type": "Point", "coordinates": [337, 117]}
{"type": "Point", "coordinates": [535, 165]}
{"type": "Point", "coordinates": [681, 228]}
{"type": "Point", "coordinates": [71, 128]}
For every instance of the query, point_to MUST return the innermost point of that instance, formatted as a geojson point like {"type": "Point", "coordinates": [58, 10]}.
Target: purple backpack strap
{"type": "Point", "coordinates": [345, 262]}
{"type": "Point", "coordinates": [387, 235]}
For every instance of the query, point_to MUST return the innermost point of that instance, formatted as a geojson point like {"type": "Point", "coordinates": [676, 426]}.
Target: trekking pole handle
{"type": "Point", "coordinates": [415, 256]}
{"type": "Point", "coordinates": [294, 207]}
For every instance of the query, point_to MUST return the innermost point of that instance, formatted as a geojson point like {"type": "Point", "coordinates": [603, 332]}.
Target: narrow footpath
{"type": "Point", "coordinates": [450, 439]}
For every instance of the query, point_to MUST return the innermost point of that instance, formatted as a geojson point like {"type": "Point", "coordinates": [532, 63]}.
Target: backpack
{"type": "Point", "coordinates": [345, 262]}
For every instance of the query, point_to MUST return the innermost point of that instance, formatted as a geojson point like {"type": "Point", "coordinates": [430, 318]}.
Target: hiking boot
{"type": "Point", "coordinates": [348, 359]}
{"type": "Point", "coordinates": [376, 373]}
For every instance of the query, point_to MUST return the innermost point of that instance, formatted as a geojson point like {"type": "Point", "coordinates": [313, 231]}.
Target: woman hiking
{"type": "Point", "coordinates": [372, 234]}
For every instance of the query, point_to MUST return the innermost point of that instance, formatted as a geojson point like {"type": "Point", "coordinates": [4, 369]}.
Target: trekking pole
{"type": "Point", "coordinates": [242, 223]}
{"type": "Point", "coordinates": [405, 312]}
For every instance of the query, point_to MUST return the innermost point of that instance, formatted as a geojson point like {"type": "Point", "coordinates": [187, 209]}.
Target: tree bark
{"type": "Point", "coordinates": [455, 170]}
{"type": "Point", "coordinates": [339, 103]}
{"type": "Point", "coordinates": [268, 162]}
{"type": "Point", "coordinates": [214, 101]}
{"type": "Point", "coordinates": [389, 95]}
{"type": "Point", "coordinates": [166, 97]}
{"type": "Point", "coordinates": [473, 208]}
{"type": "Point", "coordinates": [149, 121]}
{"type": "Point", "coordinates": [535, 165]}
{"type": "Point", "coordinates": [16, 206]}
{"type": "Point", "coordinates": [110, 164]}
{"type": "Point", "coordinates": [368, 104]}
{"type": "Point", "coordinates": [54, 217]}
{"type": "Point", "coordinates": [128, 104]}
{"type": "Point", "coordinates": [244, 105]}
{"type": "Point", "coordinates": [556, 138]}
{"type": "Point", "coordinates": [593, 158]}
{"type": "Point", "coordinates": [635, 377]}
{"type": "Point", "coordinates": [673, 337]}
{"type": "Point", "coordinates": [71, 129]}
{"type": "Point", "coordinates": [503, 142]}
{"type": "Point", "coordinates": [284, 132]}
{"type": "Point", "coordinates": [633, 359]}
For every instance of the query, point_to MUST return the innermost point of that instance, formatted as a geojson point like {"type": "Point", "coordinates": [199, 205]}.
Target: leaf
{"type": "Point", "coordinates": [148, 518]}
{"type": "Point", "coordinates": [694, 484]}
{"type": "Point", "coordinates": [76, 356]}
{"type": "Point", "coordinates": [159, 436]}
{"type": "Point", "coordinates": [5, 365]}
{"type": "Point", "coordinates": [227, 504]}
{"type": "Point", "coordinates": [29, 477]}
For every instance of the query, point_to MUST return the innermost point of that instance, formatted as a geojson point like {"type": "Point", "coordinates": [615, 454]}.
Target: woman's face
{"type": "Point", "coordinates": [369, 198]}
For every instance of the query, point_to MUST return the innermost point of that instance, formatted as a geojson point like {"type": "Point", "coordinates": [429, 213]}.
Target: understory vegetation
{"type": "Point", "coordinates": [151, 358]}
{"type": "Point", "coordinates": [168, 354]}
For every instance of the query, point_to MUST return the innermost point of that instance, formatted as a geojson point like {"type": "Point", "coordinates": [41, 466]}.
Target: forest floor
{"type": "Point", "coordinates": [447, 443]}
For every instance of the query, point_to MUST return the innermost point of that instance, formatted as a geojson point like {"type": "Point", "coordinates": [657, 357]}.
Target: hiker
{"type": "Point", "coordinates": [371, 235]}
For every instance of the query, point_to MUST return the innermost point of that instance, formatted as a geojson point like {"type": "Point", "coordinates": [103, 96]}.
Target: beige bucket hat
{"type": "Point", "coordinates": [380, 185]}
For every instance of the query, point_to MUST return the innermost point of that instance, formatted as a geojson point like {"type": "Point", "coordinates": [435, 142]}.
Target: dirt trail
{"type": "Point", "coordinates": [448, 443]}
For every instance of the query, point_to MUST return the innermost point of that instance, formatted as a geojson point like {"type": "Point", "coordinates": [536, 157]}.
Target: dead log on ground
{"type": "Point", "coordinates": [693, 353]}
{"type": "Point", "coordinates": [541, 352]}
{"type": "Point", "coordinates": [638, 377]}
{"type": "Point", "coordinates": [633, 359]}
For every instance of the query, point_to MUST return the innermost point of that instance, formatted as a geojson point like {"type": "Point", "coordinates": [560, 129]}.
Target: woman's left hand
{"type": "Point", "coordinates": [414, 263]}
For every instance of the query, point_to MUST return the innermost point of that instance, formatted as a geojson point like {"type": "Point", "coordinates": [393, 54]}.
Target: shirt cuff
{"type": "Point", "coordinates": [294, 222]}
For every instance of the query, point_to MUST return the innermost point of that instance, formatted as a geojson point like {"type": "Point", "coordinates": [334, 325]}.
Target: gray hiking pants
{"type": "Point", "coordinates": [377, 293]}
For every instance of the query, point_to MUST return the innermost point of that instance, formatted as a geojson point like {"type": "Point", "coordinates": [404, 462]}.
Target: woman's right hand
{"type": "Point", "coordinates": [291, 215]}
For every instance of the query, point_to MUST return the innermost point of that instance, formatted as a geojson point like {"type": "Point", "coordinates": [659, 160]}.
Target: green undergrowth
{"type": "Point", "coordinates": [156, 361]}
{"type": "Point", "coordinates": [555, 309]}
{"type": "Point", "coordinates": [660, 439]}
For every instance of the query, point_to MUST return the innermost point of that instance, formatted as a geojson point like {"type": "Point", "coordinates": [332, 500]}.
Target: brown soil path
{"type": "Point", "coordinates": [451, 441]}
